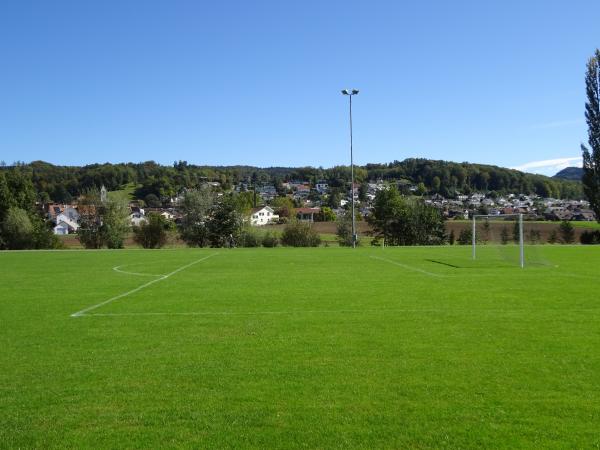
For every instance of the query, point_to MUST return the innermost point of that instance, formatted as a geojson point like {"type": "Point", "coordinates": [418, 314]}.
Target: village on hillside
{"type": "Point", "coordinates": [313, 202]}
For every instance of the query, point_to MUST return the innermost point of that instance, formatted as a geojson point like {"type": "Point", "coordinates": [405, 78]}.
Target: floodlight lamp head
{"type": "Point", "coordinates": [354, 91]}
{"type": "Point", "coordinates": [345, 92]}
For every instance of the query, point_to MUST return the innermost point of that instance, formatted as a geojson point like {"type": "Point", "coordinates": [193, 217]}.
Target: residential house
{"type": "Point", "coordinates": [307, 214]}
{"type": "Point", "coordinates": [54, 209]}
{"type": "Point", "coordinates": [168, 215]}
{"type": "Point", "coordinates": [262, 216]}
{"type": "Point", "coordinates": [267, 193]}
{"type": "Point", "coordinates": [64, 225]}
{"type": "Point", "coordinates": [585, 215]}
{"type": "Point", "coordinates": [137, 216]}
{"type": "Point", "coordinates": [322, 187]}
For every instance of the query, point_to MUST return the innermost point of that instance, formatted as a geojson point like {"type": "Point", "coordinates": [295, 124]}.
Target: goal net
{"type": "Point", "coordinates": [507, 239]}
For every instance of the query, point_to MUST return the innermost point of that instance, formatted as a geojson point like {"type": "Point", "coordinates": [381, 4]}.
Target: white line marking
{"type": "Point", "coordinates": [575, 275]}
{"type": "Point", "coordinates": [339, 311]}
{"type": "Point", "coordinates": [416, 269]}
{"type": "Point", "coordinates": [139, 288]}
{"type": "Point", "coordinates": [118, 269]}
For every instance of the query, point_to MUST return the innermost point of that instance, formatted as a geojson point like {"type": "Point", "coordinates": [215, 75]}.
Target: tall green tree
{"type": "Point", "coordinates": [591, 155]}
{"type": "Point", "coordinates": [17, 229]}
{"type": "Point", "coordinates": [102, 224]}
{"type": "Point", "coordinates": [196, 207]}
{"type": "Point", "coordinates": [403, 222]}
{"type": "Point", "coordinates": [344, 230]}
{"type": "Point", "coordinates": [21, 223]}
{"type": "Point", "coordinates": [224, 223]}
{"type": "Point", "coordinates": [567, 232]}
{"type": "Point", "coordinates": [5, 197]}
{"type": "Point", "coordinates": [388, 206]}
{"type": "Point", "coordinates": [115, 223]}
{"type": "Point", "coordinates": [153, 233]}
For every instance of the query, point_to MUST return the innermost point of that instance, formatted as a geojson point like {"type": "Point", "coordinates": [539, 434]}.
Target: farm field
{"type": "Point", "coordinates": [415, 347]}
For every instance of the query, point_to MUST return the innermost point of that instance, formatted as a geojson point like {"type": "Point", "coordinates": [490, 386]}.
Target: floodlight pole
{"type": "Point", "coordinates": [350, 93]}
{"type": "Point", "coordinates": [352, 179]}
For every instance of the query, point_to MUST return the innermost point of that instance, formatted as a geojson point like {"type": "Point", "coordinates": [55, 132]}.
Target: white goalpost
{"type": "Point", "coordinates": [500, 217]}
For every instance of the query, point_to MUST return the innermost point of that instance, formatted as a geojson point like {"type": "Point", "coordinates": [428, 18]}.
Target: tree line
{"type": "Point", "coordinates": [63, 184]}
{"type": "Point", "coordinates": [21, 224]}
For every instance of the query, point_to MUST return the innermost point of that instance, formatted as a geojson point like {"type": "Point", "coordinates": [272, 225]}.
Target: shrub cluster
{"type": "Point", "coordinates": [153, 233]}
{"type": "Point", "coordinates": [300, 234]}
{"type": "Point", "coordinates": [251, 237]}
{"type": "Point", "coordinates": [270, 240]}
{"type": "Point", "coordinates": [590, 237]}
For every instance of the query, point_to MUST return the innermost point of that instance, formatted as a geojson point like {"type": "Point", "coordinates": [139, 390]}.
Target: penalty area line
{"type": "Point", "coordinates": [414, 269]}
{"type": "Point", "coordinates": [84, 312]}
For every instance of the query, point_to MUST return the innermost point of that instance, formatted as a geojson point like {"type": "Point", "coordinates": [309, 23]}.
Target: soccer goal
{"type": "Point", "coordinates": [499, 230]}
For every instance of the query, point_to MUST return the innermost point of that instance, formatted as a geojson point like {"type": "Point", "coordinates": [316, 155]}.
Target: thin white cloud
{"type": "Point", "coordinates": [558, 124]}
{"type": "Point", "coordinates": [550, 166]}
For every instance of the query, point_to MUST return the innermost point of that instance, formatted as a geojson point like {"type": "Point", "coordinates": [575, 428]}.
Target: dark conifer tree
{"type": "Point", "coordinates": [591, 155]}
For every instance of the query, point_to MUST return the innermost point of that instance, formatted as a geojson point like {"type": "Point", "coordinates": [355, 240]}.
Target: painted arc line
{"type": "Point", "coordinates": [118, 269]}
{"type": "Point", "coordinates": [139, 288]}
{"type": "Point", "coordinates": [415, 269]}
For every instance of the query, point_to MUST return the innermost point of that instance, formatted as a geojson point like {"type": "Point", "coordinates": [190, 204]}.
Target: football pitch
{"type": "Point", "coordinates": [285, 348]}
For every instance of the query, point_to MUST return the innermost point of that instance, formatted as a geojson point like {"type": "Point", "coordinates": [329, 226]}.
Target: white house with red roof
{"type": "Point", "coordinates": [307, 214]}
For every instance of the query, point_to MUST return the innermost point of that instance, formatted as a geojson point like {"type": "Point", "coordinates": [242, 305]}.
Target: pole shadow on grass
{"type": "Point", "coordinates": [454, 266]}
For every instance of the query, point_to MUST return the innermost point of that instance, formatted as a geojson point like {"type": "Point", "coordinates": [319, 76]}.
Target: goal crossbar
{"type": "Point", "coordinates": [499, 216]}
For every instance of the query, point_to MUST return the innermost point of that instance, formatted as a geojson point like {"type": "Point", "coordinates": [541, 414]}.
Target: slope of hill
{"type": "Point", "coordinates": [62, 183]}
{"type": "Point", "coordinates": [570, 173]}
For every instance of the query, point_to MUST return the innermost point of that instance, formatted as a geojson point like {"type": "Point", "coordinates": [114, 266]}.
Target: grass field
{"type": "Point", "coordinates": [287, 348]}
{"type": "Point", "coordinates": [123, 195]}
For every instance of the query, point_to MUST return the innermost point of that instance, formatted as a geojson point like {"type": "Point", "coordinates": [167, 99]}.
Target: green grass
{"type": "Point", "coordinates": [288, 348]}
{"type": "Point", "coordinates": [123, 195]}
{"type": "Point", "coordinates": [590, 225]}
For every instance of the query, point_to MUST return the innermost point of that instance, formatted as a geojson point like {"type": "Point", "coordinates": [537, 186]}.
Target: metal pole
{"type": "Point", "coordinates": [473, 236]}
{"type": "Point", "coordinates": [521, 250]}
{"type": "Point", "coordinates": [352, 180]}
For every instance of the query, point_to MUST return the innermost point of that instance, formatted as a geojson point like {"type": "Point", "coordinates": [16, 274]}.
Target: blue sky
{"type": "Point", "coordinates": [258, 82]}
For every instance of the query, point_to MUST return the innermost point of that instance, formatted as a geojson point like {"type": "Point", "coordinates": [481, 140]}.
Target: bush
{"type": "Point", "coordinates": [17, 230]}
{"type": "Point", "coordinates": [465, 237]}
{"type": "Point", "coordinates": [250, 238]}
{"type": "Point", "coordinates": [300, 234]}
{"type": "Point", "coordinates": [26, 230]}
{"type": "Point", "coordinates": [402, 221]}
{"type": "Point", "coordinates": [504, 237]}
{"type": "Point", "coordinates": [270, 240]}
{"type": "Point", "coordinates": [152, 201]}
{"type": "Point", "coordinates": [567, 232]}
{"type": "Point", "coordinates": [590, 237]}
{"type": "Point", "coordinates": [153, 233]}
{"type": "Point", "coordinates": [344, 230]}
{"type": "Point", "coordinates": [534, 236]}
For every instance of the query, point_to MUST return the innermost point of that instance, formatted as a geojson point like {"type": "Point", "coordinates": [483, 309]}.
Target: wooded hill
{"type": "Point", "coordinates": [570, 173]}
{"type": "Point", "coordinates": [63, 183]}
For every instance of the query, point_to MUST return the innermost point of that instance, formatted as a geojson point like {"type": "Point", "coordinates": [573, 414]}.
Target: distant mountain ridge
{"type": "Point", "coordinates": [570, 173]}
